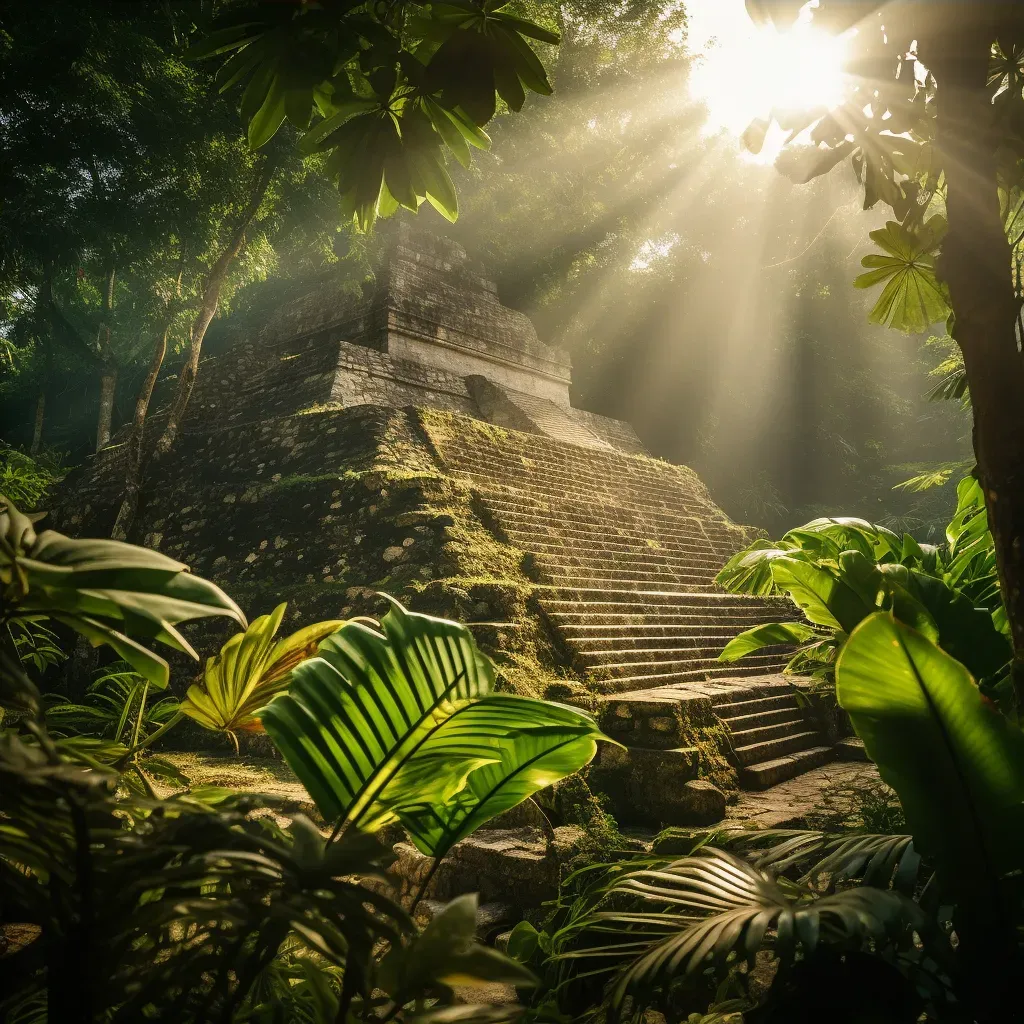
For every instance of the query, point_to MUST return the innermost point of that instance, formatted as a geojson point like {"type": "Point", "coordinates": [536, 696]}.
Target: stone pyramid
{"type": "Point", "coordinates": [420, 440]}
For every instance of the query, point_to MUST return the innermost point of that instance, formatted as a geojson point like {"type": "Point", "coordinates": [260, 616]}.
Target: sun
{"type": "Point", "coordinates": [746, 71]}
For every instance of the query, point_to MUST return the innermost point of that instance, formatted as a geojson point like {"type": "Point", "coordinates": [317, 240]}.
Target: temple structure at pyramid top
{"type": "Point", "coordinates": [432, 333]}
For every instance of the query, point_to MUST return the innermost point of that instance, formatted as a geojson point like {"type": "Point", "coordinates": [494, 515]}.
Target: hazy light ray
{"type": "Point", "coordinates": [666, 216]}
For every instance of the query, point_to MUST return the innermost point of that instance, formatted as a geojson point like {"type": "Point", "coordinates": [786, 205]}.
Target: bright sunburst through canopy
{"type": "Point", "coordinates": [747, 70]}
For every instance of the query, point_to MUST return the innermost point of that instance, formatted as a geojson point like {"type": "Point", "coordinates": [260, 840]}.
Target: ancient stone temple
{"type": "Point", "coordinates": [421, 441]}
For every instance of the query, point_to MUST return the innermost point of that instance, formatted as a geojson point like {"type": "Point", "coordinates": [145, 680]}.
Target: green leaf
{"type": "Point", "coordinates": [319, 136]}
{"type": "Point", "coordinates": [768, 635]}
{"type": "Point", "coordinates": [249, 671]}
{"type": "Point", "coordinates": [108, 591]}
{"type": "Point", "coordinates": [446, 128]}
{"type": "Point", "coordinates": [529, 28]}
{"type": "Point", "coordinates": [437, 185]}
{"type": "Point", "coordinates": [270, 116]}
{"type": "Point", "coordinates": [955, 762]}
{"type": "Point", "coordinates": [354, 716]}
{"type": "Point", "coordinates": [913, 297]}
{"type": "Point", "coordinates": [298, 105]}
{"type": "Point", "coordinates": [448, 953]}
{"type": "Point", "coordinates": [750, 571]}
{"type": "Point", "coordinates": [961, 630]}
{"type": "Point", "coordinates": [223, 40]}
{"type": "Point", "coordinates": [824, 598]}
{"type": "Point", "coordinates": [536, 743]}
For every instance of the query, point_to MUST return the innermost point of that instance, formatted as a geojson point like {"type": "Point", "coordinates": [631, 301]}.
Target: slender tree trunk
{"type": "Point", "coordinates": [108, 372]}
{"type": "Point", "coordinates": [108, 387]}
{"type": "Point", "coordinates": [208, 308]}
{"type": "Point", "coordinates": [133, 458]}
{"type": "Point", "coordinates": [37, 426]}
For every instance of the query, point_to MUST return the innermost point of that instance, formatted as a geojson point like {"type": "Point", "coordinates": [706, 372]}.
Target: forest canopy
{"type": "Point", "coordinates": [723, 327]}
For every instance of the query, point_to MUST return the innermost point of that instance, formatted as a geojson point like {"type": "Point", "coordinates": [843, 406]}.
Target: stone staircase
{"type": "Point", "coordinates": [771, 736]}
{"type": "Point", "coordinates": [625, 550]}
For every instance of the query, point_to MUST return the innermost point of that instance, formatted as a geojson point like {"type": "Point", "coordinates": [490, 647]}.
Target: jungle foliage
{"type": "Point", "coordinates": [838, 572]}
{"type": "Point", "coordinates": [862, 926]}
{"type": "Point", "coordinates": [122, 906]}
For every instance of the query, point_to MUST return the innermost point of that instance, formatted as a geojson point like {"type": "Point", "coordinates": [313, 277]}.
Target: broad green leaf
{"type": "Point", "coordinates": [270, 116]}
{"type": "Point", "coordinates": [913, 297]}
{"type": "Point", "coordinates": [445, 126]}
{"type": "Point", "coordinates": [249, 671]}
{"type": "Point", "coordinates": [354, 716]}
{"type": "Point", "coordinates": [223, 40]}
{"type": "Point", "coordinates": [768, 635]}
{"type": "Point", "coordinates": [537, 743]}
{"type": "Point", "coordinates": [849, 534]}
{"type": "Point", "coordinates": [447, 952]}
{"type": "Point", "coordinates": [960, 629]}
{"type": "Point", "coordinates": [955, 762]}
{"type": "Point", "coordinates": [108, 591]}
{"type": "Point", "coordinates": [321, 133]}
{"type": "Point", "coordinates": [750, 571]}
{"type": "Point", "coordinates": [824, 598]}
{"type": "Point", "coordinates": [529, 28]}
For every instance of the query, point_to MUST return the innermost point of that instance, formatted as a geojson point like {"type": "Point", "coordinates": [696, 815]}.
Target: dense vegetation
{"type": "Point", "coordinates": [133, 209]}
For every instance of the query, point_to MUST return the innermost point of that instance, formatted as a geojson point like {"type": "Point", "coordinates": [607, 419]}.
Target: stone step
{"type": "Point", "coordinates": [699, 636]}
{"type": "Point", "coordinates": [669, 629]}
{"type": "Point", "coordinates": [668, 661]}
{"type": "Point", "coordinates": [752, 666]}
{"type": "Point", "coordinates": [629, 558]}
{"type": "Point", "coordinates": [557, 524]}
{"type": "Point", "coordinates": [661, 582]}
{"type": "Point", "coordinates": [734, 709]}
{"type": "Point", "coordinates": [594, 553]}
{"type": "Point", "coordinates": [762, 733]}
{"type": "Point", "coordinates": [741, 724]}
{"type": "Point", "coordinates": [851, 748]}
{"type": "Point", "coordinates": [618, 661]}
{"type": "Point", "coordinates": [569, 478]}
{"type": "Point", "coordinates": [770, 773]}
{"type": "Point", "coordinates": [767, 750]}
{"type": "Point", "coordinates": [566, 598]}
{"type": "Point", "coordinates": [633, 514]}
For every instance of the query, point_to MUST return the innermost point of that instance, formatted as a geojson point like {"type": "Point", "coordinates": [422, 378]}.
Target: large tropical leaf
{"type": "Point", "coordinates": [955, 762]}
{"type": "Point", "coordinates": [750, 571]}
{"type": "Point", "coordinates": [447, 953]}
{"type": "Point", "coordinates": [396, 722]}
{"type": "Point", "coordinates": [950, 618]}
{"type": "Point", "coordinates": [913, 298]}
{"type": "Point", "coordinates": [354, 716]}
{"type": "Point", "coordinates": [971, 563]}
{"type": "Point", "coordinates": [715, 905]}
{"type": "Point", "coordinates": [847, 533]}
{"type": "Point", "coordinates": [768, 635]}
{"type": "Point", "coordinates": [825, 597]}
{"type": "Point", "coordinates": [826, 859]}
{"type": "Point", "coordinates": [549, 742]}
{"type": "Point", "coordinates": [249, 670]}
{"type": "Point", "coordinates": [107, 591]}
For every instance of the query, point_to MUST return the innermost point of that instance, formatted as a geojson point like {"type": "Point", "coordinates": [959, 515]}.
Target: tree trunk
{"type": "Point", "coordinates": [976, 265]}
{"type": "Point", "coordinates": [133, 457]}
{"type": "Point", "coordinates": [37, 426]}
{"type": "Point", "coordinates": [208, 308]}
{"type": "Point", "coordinates": [108, 372]}
{"type": "Point", "coordinates": [108, 386]}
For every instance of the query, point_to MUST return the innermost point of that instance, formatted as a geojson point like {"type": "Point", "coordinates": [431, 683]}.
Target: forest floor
{"type": "Point", "coordinates": [816, 799]}
{"type": "Point", "coordinates": [824, 797]}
